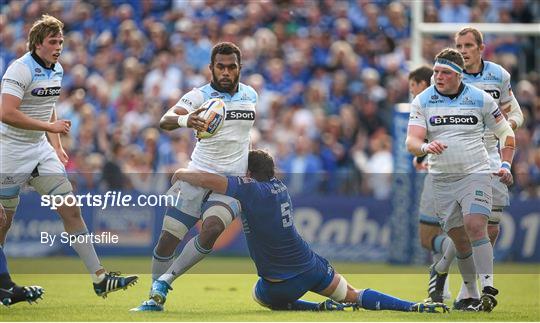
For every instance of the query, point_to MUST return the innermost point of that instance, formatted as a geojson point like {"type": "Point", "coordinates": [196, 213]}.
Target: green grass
{"type": "Point", "coordinates": [209, 295]}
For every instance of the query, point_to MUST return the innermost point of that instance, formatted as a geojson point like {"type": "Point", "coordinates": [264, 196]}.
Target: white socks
{"type": "Point", "coordinates": [191, 254]}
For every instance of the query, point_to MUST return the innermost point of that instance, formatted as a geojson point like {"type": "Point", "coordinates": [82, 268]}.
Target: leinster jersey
{"type": "Point", "coordinates": [459, 123]}
{"type": "Point", "coordinates": [227, 151]}
{"type": "Point", "coordinates": [38, 87]}
{"type": "Point", "coordinates": [495, 80]}
{"type": "Point", "coordinates": [273, 242]}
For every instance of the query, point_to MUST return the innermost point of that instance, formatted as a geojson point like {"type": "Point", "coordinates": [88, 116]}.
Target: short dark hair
{"type": "Point", "coordinates": [226, 48]}
{"type": "Point", "coordinates": [453, 55]}
{"type": "Point", "coordinates": [422, 73]}
{"type": "Point", "coordinates": [260, 165]}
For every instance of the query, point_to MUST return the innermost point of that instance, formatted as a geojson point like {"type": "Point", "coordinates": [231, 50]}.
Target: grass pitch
{"type": "Point", "coordinates": [214, 293]}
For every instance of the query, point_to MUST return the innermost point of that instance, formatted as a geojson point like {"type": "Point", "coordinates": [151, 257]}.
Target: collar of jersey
{"type": "Point", "coordinates": [482, 66]}
{"type": "Point", "coordinates": [41, 62]}
{"type": "Point", "coordinates": [216, 87]}
{"type": "Point", "coordinates": [452, 96]}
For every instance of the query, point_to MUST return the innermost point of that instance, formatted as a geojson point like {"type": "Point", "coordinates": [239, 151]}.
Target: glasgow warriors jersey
{"type": "Point", "coordinates": [227, 151]}
{"type": "Point", "coordinates": [274, 244]}
{"type": "Point", "coordinates": [38, 87]}
{"type": "Point", "coordinates": [458, 122]}
{"type": "Point", "coordinates": [495, 80]}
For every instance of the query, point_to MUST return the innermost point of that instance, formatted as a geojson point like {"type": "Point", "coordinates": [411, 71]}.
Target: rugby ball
{"type": "Point", "coordinates": [214, 114]}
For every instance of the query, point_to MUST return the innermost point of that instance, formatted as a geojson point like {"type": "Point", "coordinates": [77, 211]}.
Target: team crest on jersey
{"type": "Point", "coordinates": [37, 70]}
{"type": "Point", "coordinates": [217, 95]}
{"type": "Point", "coordinates": [466, 101]}
{"type": "Point", "coordinates": [436, 99]}
{"type": "Point", "coordinates": [490, 77]}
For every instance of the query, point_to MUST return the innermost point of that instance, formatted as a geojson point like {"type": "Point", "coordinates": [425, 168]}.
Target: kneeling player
{"type": "Point", "coordinates": [286, 265]}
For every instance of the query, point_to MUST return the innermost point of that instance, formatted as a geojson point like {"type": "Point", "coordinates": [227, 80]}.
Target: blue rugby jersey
{"type": "Point", "coordinates": [274, 244]}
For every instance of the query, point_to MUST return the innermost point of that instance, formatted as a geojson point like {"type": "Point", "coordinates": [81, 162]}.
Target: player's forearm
{"type": "Point", "coordinates": [214, 182]}
{"type": "Point", "coordinates": [171, 121]}
{"type": "Point", "coordinates": [17, 119]}
{"type": "Point", "coordinates": [414, 146]}
{"type": "Point", "coordinates": [515, 116]}
{"type": "Point", "coordinates": [507, 154]}
{"type": "Point", "coordinates": [54, 138]}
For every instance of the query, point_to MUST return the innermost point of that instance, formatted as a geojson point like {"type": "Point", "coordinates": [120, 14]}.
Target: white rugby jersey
{"type": "Point", "coordinates": [495, 80]}
{"type": "Point", "coordinates": [458, 123]}
{"type": "Point", "coordinates": [227, 151]}
{"type": "Point", "coordinates": [38, 87]}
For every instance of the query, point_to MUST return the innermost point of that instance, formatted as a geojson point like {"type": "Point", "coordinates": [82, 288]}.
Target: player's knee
{"type": "Point", "coordinates": [212, 227]}
{"type": "Point", "coordinates": [10, 203]}
{"type": "Point", "coordinates": [175, 229]}
{"type": "Point", "coordinates": [340, 293]}
{"type": "Point", "coordinates": [220, 212]}
{"type": "Point", "coordinates": [256, 297]}
{"type": "Point", "coordinates": [476, 227]}
{"type": "Point", "coordinates": [52, 185]}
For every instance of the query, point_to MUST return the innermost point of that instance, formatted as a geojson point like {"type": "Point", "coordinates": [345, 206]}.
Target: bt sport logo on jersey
{"type": "Point", "coordinates": [453, 120]}
{"type": "Point", "coordinates": [46, 91]}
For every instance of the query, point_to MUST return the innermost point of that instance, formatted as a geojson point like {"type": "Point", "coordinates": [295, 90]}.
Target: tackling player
{"type": "Point", "coordinates": [453, 115]}
{"type": "Point", "coordinates": [495, 80]}
{"type": "Point", "coordinates": [224, 153]}
{"type": "Point", "coordinates": [286, 265]}
{"type": "Point", "coordinates": [30, 89]}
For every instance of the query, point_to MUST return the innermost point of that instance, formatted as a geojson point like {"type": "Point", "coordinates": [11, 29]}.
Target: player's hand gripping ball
{"type": "Point", "coordinates": [214, 114]}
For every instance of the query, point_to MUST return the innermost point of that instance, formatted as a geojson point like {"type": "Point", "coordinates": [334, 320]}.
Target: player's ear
{"type": "Point", "coordinates": [482, 46]}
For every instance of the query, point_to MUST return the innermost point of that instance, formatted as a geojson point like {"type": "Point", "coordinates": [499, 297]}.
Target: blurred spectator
{"type": "Point", "coordinates": [302, 168]}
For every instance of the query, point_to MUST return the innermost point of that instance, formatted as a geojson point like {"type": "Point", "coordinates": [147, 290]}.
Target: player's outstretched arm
{"type": "Point", "coordinates": [178, 117]}
{"type": "Point", "coordinates": [214, 182]}
{"type": "Point", "coordinates": [11, 115]}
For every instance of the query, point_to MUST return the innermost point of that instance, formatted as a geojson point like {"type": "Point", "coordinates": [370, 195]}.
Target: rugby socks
{"type": "Point", "coordinates": [87, 253]}
{"type": "Point", "coordinates": [160, 265]}
{"type": "Point", "coordinates": [190, 255]}
{"type": "Point", "coordinates": [373, 300]}
{"type": "Point", "coordinates": [483, 260]}
{"type": "Point", "coordinates": [5, 278]}
{"type": "Point", "coordinates": [468, 273]}
{"type": "Point", "coordinates": [463, 292]}
{"type": "Point", "coordinates": [449, 253]}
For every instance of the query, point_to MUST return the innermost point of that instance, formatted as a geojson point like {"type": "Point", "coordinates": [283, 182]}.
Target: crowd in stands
{"type": "Point", "coordinates": [328, 74]}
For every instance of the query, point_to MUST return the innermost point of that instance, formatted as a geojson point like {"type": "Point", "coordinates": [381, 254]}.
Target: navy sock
{"type": "Point", "coordinates": [5, 279]}
{"type": "Point", "coordinates": [373, 300]}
